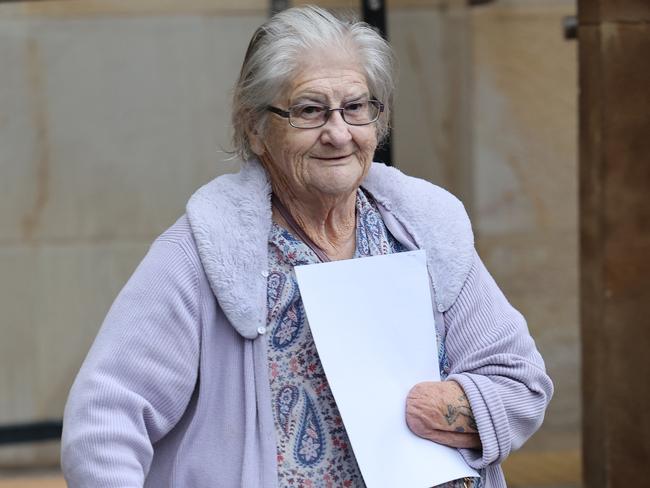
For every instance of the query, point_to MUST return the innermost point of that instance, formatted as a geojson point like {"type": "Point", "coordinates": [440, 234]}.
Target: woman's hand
{"type": "Point", "coordinates": [439, 411]}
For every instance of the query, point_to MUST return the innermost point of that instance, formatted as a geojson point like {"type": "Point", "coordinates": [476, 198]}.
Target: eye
{"type": "Point", "coordinates": [355, 107]}
{"type": "Point", "coordinates": [308, 111]}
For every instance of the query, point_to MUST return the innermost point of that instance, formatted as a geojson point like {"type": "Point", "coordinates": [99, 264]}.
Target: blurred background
{"type": "Point", "coordinates": [113, 112]}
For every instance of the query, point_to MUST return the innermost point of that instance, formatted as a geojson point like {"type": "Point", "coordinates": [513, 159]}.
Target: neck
{"type": "Point", "coordinates": [330, 222]}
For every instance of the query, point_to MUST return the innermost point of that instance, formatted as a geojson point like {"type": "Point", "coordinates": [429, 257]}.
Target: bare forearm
{"type": "Point", "coordinates": [439, 411]}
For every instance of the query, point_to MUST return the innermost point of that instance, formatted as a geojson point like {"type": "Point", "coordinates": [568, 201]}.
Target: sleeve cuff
{"type": "Point", "coordinates": [491, 420]}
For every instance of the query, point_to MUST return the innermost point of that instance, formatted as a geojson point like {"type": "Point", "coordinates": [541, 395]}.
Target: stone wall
{"type": "Point", "coordinates": [524, 146]}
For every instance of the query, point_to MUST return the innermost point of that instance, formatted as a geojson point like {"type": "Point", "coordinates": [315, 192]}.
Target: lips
{"type": "Point", "coordinates": [332, 158]}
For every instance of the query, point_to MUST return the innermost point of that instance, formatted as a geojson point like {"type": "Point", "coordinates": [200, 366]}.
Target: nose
{"type": "Point", "coordinates": [336, 131]}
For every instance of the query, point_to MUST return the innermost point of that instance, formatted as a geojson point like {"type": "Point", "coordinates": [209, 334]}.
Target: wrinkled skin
{"type": "Point", "coordinates": [439, 411]}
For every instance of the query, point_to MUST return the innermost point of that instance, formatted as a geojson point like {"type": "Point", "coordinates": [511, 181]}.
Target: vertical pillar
{"type": "Point", "coordinates": [374, 13]}
{"type": "Point", "coordinates": [614, 37]}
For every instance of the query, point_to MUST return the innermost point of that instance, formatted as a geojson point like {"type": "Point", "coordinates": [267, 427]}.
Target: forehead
{"type": "Point", "coordinates": [331, 78]}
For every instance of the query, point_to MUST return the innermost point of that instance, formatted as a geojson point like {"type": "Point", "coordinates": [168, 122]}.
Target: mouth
{"type": "Point", "coordinates": [333, 158]}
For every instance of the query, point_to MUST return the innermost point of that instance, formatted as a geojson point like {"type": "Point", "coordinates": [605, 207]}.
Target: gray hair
{"type": "Point", "coordinates": [276, 51]}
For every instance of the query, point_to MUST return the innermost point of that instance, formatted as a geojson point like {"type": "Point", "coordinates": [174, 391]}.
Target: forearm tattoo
{"type": "Point", "coordinates": [461, 411]}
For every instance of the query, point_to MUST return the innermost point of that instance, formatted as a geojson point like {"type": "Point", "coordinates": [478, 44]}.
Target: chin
{"type": "Point", "coordinates": [340, 180]}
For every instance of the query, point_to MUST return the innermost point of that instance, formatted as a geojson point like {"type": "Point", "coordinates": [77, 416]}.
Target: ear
{"type": "Point", "coordinates": [255, 140]}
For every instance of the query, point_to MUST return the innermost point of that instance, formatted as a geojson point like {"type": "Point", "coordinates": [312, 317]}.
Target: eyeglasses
{"type": "Point", "coordinates": [314, 115]}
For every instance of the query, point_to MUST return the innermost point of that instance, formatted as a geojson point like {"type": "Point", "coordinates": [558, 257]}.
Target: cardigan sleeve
{"type": "Point", "coordinates": [138, 377]}
{"type": "Point", "coordinates": [493, 357]}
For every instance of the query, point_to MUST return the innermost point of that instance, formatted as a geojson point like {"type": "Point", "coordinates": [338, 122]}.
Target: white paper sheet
{"type": "Point", "coordinates": [373, 325]}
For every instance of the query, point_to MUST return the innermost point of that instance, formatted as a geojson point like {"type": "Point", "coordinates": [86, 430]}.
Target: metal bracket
{"type": "Point", "coordinates": [570, 27]}
{"type": "Point", "coordinates": [278, 6]}
{"type": "Point", "coordinates": [33, 432]}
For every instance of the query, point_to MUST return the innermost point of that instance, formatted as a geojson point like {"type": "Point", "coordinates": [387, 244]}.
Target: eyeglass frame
{"type": "Point", "coordinates": [287, 113]}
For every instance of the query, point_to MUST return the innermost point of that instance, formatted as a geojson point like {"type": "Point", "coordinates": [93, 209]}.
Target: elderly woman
{"type": "Point", "coordinates": [205, 373]}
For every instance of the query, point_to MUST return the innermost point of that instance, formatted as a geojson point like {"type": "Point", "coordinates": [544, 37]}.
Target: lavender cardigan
{"type": "Point", "coordinates": [174, 391]}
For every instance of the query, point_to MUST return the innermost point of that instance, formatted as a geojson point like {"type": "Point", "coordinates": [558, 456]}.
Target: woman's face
{"type": "Point", "coordinates": [328, 161]}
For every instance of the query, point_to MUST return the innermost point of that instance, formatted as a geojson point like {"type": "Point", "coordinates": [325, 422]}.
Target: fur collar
{"type": "Point", "coordinates": [230, 219]}
{"type": "Point", "coordinates": [436, 221]}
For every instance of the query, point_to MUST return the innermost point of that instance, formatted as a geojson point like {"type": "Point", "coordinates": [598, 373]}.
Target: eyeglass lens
{"type": "Point", "coordinates": [314, 115]}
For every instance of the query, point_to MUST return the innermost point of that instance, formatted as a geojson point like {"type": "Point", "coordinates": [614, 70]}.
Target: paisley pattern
{"type": "Point", "coordinates": [275, 284]}
{"type": "Point", "coordinates": [310, 445]}
{"type": "Point", "coordinates": [288, 316]}
{"type": "Point", "coordinates": [443, 360]}
{"type": "Point", "coordinates": [313, 449]}
{"type": "Point", "coordinates": [371, 234]}
{"type": "Point", "coordinates": [284, 403]}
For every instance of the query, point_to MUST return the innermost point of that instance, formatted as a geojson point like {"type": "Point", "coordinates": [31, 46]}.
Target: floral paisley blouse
{"type": "Point", "coordinates": [313, 449]}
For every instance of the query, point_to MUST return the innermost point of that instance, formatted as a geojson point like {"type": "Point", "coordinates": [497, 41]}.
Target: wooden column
{"type": "Point", "coordinates": [614, 37]}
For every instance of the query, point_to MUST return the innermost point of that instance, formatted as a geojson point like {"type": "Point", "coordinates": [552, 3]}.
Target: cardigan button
{"type": "Point", "coordinates": [265, 273]}
{"type": "Point", "coordinates": [261, 330]}
{"type": "Point", "coordinates": [441, 308]}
